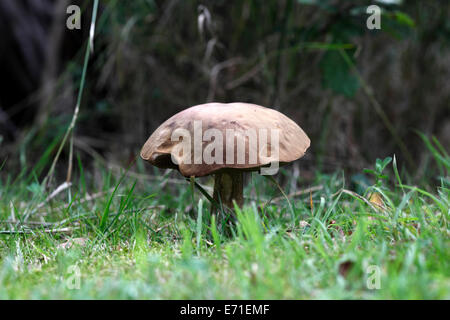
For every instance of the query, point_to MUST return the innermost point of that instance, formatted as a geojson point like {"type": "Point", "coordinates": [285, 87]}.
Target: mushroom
{"type": "Point", "coordinates": [226, 140]}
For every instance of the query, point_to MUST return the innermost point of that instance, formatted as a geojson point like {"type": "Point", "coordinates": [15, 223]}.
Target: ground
{"type": "Point", "coordinates": [131, 235]}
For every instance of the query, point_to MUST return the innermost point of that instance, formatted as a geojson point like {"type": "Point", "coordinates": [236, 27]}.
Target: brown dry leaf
{"type": "Point", "coordinates": [376, 199]}
{"type": "Point", "coordinates": [70, 242]}
{"type": "Point", "coordinates": [303, 224]}
{"type": "Point", "coordinates": [345, 267]}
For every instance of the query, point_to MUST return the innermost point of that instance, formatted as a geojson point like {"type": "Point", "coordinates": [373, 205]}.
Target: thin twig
{"type": "Point", "coordinates": [215, 73]}
{"type": "Point", "coordinates": [31, 223]}
{"type": "Point", "coordinates": [282, 192]}
{"type": "Point", "coordinates": [298, 193]}
{"type": "Point", "coordinates": [62, 230]}
{"type": "Point", "coordinates": [245, 77]}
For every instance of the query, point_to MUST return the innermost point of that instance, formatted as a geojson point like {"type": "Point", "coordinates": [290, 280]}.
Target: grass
{"type": "Point", "coordinates": [130, 235]}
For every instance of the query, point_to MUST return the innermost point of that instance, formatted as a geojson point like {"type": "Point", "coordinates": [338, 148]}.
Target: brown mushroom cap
{"type": "Point", "coordinates": [293, 142]}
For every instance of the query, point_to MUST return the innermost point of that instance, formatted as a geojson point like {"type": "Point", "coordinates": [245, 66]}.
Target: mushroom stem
{"type": "Point", "coordinates": [229, 186]}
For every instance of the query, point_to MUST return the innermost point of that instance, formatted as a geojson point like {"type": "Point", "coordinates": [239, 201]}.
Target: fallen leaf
{"type": "Point", "coordinates": [70, 242]}
{"type": "Point", "coordinates": [345, 267]}
{"type": "Point", "coordinates": [376, 199]}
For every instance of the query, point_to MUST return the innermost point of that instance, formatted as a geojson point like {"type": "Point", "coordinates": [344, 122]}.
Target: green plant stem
{"type": "Point", "coordinates": [89, 48]}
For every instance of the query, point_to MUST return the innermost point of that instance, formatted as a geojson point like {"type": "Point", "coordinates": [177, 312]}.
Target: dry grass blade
{"type": "Point", "coordinates": [69, 131]}
{"type": "Point", "coordinates": [57, 191]}
{"type": "Point", "coordinates": [61, 188]}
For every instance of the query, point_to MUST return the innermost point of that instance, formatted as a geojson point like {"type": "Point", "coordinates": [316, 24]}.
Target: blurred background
{"type": "Point", "coordinates": [359, 94]}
